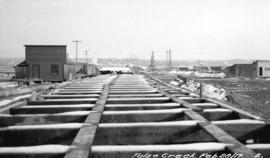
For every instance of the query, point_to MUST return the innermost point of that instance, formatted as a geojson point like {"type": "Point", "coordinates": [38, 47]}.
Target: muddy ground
{"type": "Point", "coordinates": [250, 95]}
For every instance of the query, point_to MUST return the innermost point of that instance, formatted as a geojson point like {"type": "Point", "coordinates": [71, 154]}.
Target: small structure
{"type": "Point", "coordinates": [45, 62]}
{"type": "Point", "coordinates": [261, 69]}
{"type": "Point", "coordinates": [49, 63]}
{"type": "Point", "coordinates": [21, 70]}
{"type": "Point", "coordinates": [200, 68]}
{"type": "Point", "coordinates": [183, 68]}
{"type": "Point", "coordinates": [258, 69]}
{"type": "Point", "coordinates": [216, 68]}
{"type": "Point", "coordinates": [239, 71]}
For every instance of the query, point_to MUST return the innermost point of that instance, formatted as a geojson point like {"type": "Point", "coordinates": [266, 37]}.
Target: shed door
{"type": "Point", "coordinates": [260, 71]}
{"type": "Point", "coordinates": [36, 71]}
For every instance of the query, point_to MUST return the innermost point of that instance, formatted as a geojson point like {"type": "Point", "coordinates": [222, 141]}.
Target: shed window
{"type": "Point", "coordinates": [54, 70]}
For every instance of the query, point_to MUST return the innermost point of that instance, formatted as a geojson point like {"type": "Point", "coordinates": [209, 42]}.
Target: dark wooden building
{"type": "Point", "coordinates": [216, 68]}
{"type": "Point", "coordinates": [239, 71]}
{"type": "Point", "coordinates": [49, 63]}
{"type": "Point", "coordinates": [183, 68]}
{"type": "Point", "coordinates": [21, 70]}
{"type": "Point", "coordinates": [46, 62]}
{"type": "Point", "coordinates": [258, 69]}
{"type": "Point", "coordinates": [200, 68]}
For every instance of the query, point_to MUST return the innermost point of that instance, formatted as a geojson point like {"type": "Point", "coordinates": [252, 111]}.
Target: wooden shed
{"type": "Point", "coordinates": [21, 70]}
{"type": "Point", "coordinates": [45, 62]}
{"type": "Point", "coordinates": [239, 71]}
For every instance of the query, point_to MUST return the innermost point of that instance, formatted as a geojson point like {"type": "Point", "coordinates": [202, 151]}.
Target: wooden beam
{"type": "Point", "coordinates": [85, 137]}
{"type": "Point", "coordinates": [215, 131]}
{"type": "Point", "coordinates": [143, 133]}
{"type": "Point", "coordinates": [69, 96]}
{"type": "Point", "coordinates": [222, 136]}
{"type": "Point", "coordinates": [241, 112]}
{"type": "Point", "coordinates": [181, 102]}
{"type": "Point", "coordinates": [63, 101]}
{"type": "Point", "coordinates": [160, 150]}
{"type": "Point", "coordinates": [138, 100]}
{"type": "Point", "coordinates": [142, 106]}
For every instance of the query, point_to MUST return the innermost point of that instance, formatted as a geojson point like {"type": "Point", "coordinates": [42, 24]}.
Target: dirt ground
{"type": "Point", "coordinates": [250, 95]}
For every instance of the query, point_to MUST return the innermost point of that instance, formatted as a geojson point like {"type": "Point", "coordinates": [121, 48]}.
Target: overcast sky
{"type": "Point", "coordinates": [192, 29]}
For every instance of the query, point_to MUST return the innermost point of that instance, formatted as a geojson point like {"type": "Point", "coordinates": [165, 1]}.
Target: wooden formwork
{"type": "Point", "coordinates": [129, 116]}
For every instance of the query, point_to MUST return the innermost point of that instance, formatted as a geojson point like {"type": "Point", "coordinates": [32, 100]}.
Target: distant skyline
{"type": "Point", "coordinates": [192, 29]}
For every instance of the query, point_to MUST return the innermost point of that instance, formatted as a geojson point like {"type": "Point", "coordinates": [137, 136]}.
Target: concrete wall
{"type": "Point", "coordinates": [44, 57]}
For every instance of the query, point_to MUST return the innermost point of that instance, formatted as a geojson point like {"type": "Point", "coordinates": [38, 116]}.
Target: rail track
{"type": "Point", "coordinates": [129, 116]}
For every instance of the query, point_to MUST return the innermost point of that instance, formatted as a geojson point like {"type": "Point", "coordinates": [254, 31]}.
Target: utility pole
{"type": "Point", "coordinates": [167, 57]}
{"type": "Point", "coordinates": [76, 42]}
{"type": "Point", "coordinates": [170, 60]}
{"type": "Point", "coordinates": [86, 53]}
{"type": "Point", "coordinates": [152, 62]}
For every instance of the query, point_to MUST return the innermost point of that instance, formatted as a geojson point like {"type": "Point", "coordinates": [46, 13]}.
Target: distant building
{"type": "Point", "coordinates": [258, 69]}
{"type": "Point", "coordinates": [239, 71]}
{"type": "Point", "coordinates": [200, 68]}
{"type": "Point", "coordinates": [183, 68]}
{"type": "Point", "coordinates": [216, 68]}
{"type": "Point", "coordinates": [261, 68]}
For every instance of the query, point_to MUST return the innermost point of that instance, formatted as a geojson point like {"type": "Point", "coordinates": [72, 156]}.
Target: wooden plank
{"type": "Point", "coordinates": [192, 150]}
{"type": "Point", "coordinates": [143, 133]}
{"type": "Point", "coordinates": [69, 96]}
{"type": "Point", "coordinates": [134, 92]}
{"type": "Point", "coordinates": [135, 95]}
{"type": "Point", "coordinates": [174, 98]}
{"type": "Point", "coordinates": [142, 106]}
{"type": "Point", "coordinates": [181, 102]}
{"type": "Point", "coordinates": [247, 114]}
{"type": "Point", "coordinates": [85, 136]}
{"type": "Point", "coordinates": [221, 135]}
{"type": "Point", "coordinates": [138, 100]}
{"type": "Point", "coordinates": [76, 93]}
{"type": "Point", "coordinates": [215, 131]}
{"type": "Point", "coordinates": [38, 119]}
{"type": "Point", "coordinates": [240, 128]}
{"type": "Point", "coordinates": [143, 116]}
{"type": "Point", "coordinates": [63, 101]}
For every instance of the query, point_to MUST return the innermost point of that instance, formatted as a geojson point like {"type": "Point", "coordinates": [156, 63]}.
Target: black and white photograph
{"type": "Point", "coordinates": [134, 79]}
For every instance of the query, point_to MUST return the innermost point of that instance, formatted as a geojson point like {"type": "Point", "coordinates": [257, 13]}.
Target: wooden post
{"type": "Point", "coordinates": [201, 90]}
{"type": "Point", "coordinates": [34, 95]}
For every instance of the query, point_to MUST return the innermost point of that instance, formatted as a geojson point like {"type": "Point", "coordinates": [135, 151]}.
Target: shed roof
{"type": "Point", "coordinates": [44, 45]}
{"type": "Point", "coordinates": [23, 63]}
{"type": "Point", "coordinates": [261, 61]}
